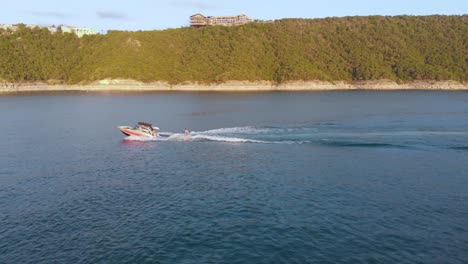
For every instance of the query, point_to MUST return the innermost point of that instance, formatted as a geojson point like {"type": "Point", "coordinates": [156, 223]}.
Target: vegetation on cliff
{"type": "Point", "coordinates": [402, 48]}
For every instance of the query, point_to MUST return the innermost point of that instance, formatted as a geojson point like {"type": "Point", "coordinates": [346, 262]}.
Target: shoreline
{"type": "Point", "coordinates": [232, 86]}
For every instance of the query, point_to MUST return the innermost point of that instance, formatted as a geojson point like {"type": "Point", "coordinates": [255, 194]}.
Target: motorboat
{"type": "Point", "coordinates": [142, 129]}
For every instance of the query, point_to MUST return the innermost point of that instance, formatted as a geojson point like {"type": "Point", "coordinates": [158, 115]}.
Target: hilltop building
{"type": "Point", "coordinates": [199, 20]}
{"type": "Point", "coordinates": [53, 29]}
{"type": "Point", "coordinates": [79, 31]}
{"type": "Point", "coordinates": [15, 27]}
{"type": "Point", "coordinates": [5, 26]}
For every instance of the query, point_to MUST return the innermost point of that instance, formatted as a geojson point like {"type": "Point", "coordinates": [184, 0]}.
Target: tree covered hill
{"type": "Point", "coordinates": [402, 48]}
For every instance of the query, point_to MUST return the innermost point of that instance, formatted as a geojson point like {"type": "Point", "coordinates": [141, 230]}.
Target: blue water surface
{"type": "Point", "coordinates": [322, 177]}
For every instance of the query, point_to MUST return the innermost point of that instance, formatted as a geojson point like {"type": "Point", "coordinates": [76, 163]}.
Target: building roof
{"type": "Point", "coordinates": [197, 15]}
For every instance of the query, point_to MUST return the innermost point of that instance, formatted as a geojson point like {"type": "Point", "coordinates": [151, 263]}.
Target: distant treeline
{"type": "Point", "coordinates": [401, 48]}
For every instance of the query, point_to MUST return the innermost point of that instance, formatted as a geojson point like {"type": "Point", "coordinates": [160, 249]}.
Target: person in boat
{"type": "Point", "coordinates": [152, 130]}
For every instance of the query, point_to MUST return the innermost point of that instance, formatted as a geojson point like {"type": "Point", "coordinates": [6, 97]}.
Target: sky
{"type": "Point", "coordinates": [104, 15]}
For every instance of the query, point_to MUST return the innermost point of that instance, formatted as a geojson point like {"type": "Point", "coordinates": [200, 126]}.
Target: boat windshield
{"type": "Point", "coordinates": [145, 124]}
{"type": "Point", "coordinates": [143, 128]}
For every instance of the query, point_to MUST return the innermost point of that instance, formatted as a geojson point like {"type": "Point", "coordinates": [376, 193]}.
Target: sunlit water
{"type": "Point", "coordinates": [335, 177]}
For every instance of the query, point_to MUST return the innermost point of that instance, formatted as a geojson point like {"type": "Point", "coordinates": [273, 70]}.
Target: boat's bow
{"type": "Point", "coordinates": [126, 130]}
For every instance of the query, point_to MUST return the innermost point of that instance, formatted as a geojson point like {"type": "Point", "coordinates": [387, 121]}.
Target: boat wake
{"type": "Point", "coordinates": [320, 135]}
{"type": "Point", "coordinates": [195, 137]}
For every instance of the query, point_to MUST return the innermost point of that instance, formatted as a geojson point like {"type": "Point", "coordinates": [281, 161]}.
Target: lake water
{"type": "Point", "coordinates": [320, 177]}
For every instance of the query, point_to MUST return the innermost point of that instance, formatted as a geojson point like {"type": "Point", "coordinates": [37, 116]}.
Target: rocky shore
{"type": "Point", "coordinates": [232, 86]}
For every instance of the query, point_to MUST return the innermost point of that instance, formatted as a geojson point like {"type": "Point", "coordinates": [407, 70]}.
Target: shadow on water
{"type": "Point", "coordinates": [361, 144]}
{"type": "Point", "coordinates": [465, 148]}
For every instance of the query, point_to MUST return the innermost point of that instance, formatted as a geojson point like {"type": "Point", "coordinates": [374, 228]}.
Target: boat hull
{"type": "Point", "coordinates": [129, 131]}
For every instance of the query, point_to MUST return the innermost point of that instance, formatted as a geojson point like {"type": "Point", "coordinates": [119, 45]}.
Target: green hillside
{"type": "Point", "coordinates": [402, 48]}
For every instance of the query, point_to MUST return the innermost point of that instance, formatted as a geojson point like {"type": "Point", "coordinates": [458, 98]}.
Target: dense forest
{"type": "Point", "coordinates": [401, 48]}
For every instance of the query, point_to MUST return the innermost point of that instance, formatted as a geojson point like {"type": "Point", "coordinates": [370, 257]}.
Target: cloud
{"type": "Point", "coordinates": [111, 15]}
{"type": "Point", "coordinates": [196, 4]}
{"type": "Point", "coordinates": [51, 14]}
